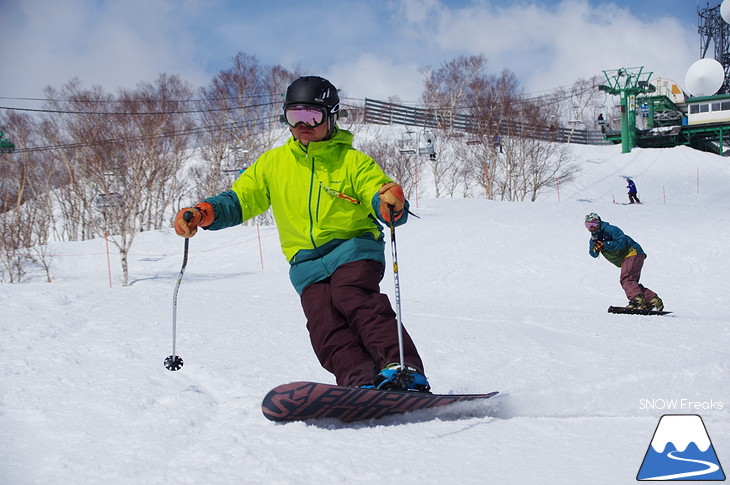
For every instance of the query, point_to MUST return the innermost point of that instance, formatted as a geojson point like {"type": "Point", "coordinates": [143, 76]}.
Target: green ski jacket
{"type": "Point", "coordinates": [325, 201]}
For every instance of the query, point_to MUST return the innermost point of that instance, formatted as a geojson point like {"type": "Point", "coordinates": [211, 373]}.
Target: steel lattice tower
{"type": "Point", "coordinates": [714, 30]}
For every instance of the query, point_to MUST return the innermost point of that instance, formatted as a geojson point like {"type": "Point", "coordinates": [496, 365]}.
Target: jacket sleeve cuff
{"type": "Point", "coordinates": [376, 209]}
{"type": "Point", "coordinates": [227, 210]}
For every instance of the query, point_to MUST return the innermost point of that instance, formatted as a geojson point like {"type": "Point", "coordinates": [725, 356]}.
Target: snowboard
{"type": "Point", "coordinates": [635, 311]}
{"type": "Point", "coordinates": [298, 401]}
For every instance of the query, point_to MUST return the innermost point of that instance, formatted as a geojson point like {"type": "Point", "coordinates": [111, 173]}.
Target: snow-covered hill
{"type": "Point", "coordinates": [498, 296]}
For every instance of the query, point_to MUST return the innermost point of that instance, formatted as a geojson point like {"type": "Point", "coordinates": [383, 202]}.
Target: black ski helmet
{"type": "Point", "coordinates": [316, 91]}
{"type": "Point", "coordinates": [313, 90]}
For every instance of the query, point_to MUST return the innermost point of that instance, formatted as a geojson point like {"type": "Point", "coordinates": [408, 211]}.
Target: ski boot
{"type": "Point", "coordinates": [655, 303]}
{"type": "Point", "coordinates": [395, 377]}
{"type": "Point", "coordinates": [637, 302]}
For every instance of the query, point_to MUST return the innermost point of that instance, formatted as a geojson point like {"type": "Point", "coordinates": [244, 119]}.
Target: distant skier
{"type": "Point", "coordinates": [327, 199]}
{"type": "Point", "coordinates": [621, 250]}
{"type": "Point", "coordinates": [633, 199]}
{"type": "Point", "coordinates": [601, 122]}
{"type": "Point", "coordinates": [497, 143]}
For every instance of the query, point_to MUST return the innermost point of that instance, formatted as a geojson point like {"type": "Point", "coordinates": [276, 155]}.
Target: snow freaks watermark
{"type": "Point", "coordinates": [680, 449]}
{"type": "Point", "coordinates": [680, 405]}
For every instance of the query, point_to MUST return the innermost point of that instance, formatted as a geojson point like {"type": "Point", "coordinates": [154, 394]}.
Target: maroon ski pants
{"type": "Point", "coordinates": [352, 326]}
{"type": "Point", "coordinates": [630, 274]}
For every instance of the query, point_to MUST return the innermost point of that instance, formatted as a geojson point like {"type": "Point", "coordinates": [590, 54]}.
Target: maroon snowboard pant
{"type": "Point", "coordinates": [630, 274]}
{"type": "Point", "coordinates": [352, 325]}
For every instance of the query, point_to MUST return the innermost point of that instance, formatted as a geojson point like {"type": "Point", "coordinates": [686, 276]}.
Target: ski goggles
{"type": "Point", "coordinates": [592, 225]}
{"type": "Point", "coordinates": [311, 116]}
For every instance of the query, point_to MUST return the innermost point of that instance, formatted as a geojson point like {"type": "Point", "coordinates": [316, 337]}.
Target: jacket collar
{"type": "Point", "coordinates": [340, 137]}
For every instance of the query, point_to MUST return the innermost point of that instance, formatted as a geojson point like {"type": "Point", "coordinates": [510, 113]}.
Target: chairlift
{"type": "Point", "coordinates": [109, 194]}
{"type": "Point", "coordinates": [616, 114]}
{"type": "Point", "coordinates": [111, 200]}
{"type": "Point", "coordinates": [644, 109]}
{"type": "Point", "coordinates": [409, 142]}
{"type": "Point", "coordinates": [110, 175]}
{"type": "Point", "coordinates": [575, 117]}
{"type": "Point", "coordinates": [601, 108]}
{"type": "Point", "coordinates": [427, 144]}
{"type": "Point", "coordinates": [598, 111]}
{"type": "Point", "coordinates": [239, 161]}
{"type": "Point", "coordinates": [497, 142]}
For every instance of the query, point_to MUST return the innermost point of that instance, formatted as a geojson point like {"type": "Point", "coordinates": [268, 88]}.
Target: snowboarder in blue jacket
{"type": "Point", "coordinates": [621, 250]}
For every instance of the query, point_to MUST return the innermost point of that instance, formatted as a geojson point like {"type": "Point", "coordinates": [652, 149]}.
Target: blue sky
{"type": "Point", "coordinates": [369, 48]}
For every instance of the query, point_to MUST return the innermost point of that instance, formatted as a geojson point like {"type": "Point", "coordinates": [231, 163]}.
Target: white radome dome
{"type": "Point", "coordinates": [704, 77]}
{"type": "Point", "coordinates": [725, 10]}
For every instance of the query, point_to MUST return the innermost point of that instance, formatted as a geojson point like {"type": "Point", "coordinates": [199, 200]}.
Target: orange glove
{"type": "Point", "coordinates": [598, 246]}
{"type": "Point", "coordinates": [188, 219]}
{"type": "Point", "coordinates": [391, 195]}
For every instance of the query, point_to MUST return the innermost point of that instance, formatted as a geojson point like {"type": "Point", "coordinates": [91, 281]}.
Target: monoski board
{"type": "Point", "coordinates": [298, 401]}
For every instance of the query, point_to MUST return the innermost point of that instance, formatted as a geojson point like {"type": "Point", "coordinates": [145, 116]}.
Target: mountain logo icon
{"type": "Point", "coordinates": [681, 450]}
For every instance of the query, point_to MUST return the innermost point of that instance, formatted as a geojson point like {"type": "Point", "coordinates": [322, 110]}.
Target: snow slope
{"type": "Point", "coordinates": [498, 296]}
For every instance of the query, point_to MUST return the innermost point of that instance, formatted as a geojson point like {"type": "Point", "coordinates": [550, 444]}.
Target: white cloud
{"type": "Point", "coordinates": [372, 49]}
{"type": "Point", "coordinates": [548, 47]}
{"type": "Point", "coordinates": [116, 45]}
{"type": "Point", "coordinates": [377, 77]}
{"type": "Point", "coordinates": [421, 11]}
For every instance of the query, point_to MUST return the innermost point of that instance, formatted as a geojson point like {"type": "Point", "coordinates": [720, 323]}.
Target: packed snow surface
{"type": "Point", "coordinates": [497, 295]}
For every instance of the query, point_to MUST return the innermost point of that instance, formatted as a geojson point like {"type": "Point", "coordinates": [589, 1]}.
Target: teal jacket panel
{"type": "Point", "coordinates": [617, 246]}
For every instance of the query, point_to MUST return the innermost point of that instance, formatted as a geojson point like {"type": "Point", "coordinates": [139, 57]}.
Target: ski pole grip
{"type": "Point", "coordinates": [188, 216]}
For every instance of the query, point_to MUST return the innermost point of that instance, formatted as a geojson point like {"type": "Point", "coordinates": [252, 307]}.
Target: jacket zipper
{"type": "Point", "coordinates": [311, 196]}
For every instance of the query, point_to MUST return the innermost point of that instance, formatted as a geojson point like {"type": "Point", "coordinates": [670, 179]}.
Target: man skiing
{"type": "Point", "coordinates": [621, 250]}
{"type": "Point", "coordinates": [633, 199]}
{"type": "Point", "coordinates": [327, 198]}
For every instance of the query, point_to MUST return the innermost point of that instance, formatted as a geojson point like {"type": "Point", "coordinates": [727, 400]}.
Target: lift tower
{"type": "Point", "coordinates": [627, 83]}
{"type": "Point", "coordinates": [715, 31]}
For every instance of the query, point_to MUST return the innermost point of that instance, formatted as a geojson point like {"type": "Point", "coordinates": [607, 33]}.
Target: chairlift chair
{"type": "Point", "coordinates": [107, 201]}
{"type": "Point", "coordinates": [427, 144]}
{"type": "Point", "coordinates": [575, 116]}
{"type": "Point", "coordinates": [409, 142]}
{"type": "Point", "coordinates": [238, 161]}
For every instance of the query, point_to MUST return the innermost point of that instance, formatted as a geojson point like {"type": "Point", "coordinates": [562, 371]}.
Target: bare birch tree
{"type": "Point", "coordinates": [402, 167]}
{"type": "Point", "coordinates": [448, 93]}
{"type": "Point", "coordinates": [76, 124]}
{"type": "Point", "coordinates": [240, 112]}
{"type": "Point", "coordinates": [152, 137]}
{"type": "Point", "coordinates": [118, 157]}
{"type": "Point", "coordinates": [25, 203]}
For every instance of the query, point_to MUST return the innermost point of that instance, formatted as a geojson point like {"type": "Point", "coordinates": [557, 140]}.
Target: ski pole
{"type": "Point", "coordinates": [397, 286]}
{"type": "Point", "coordinates": [174, 361]}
